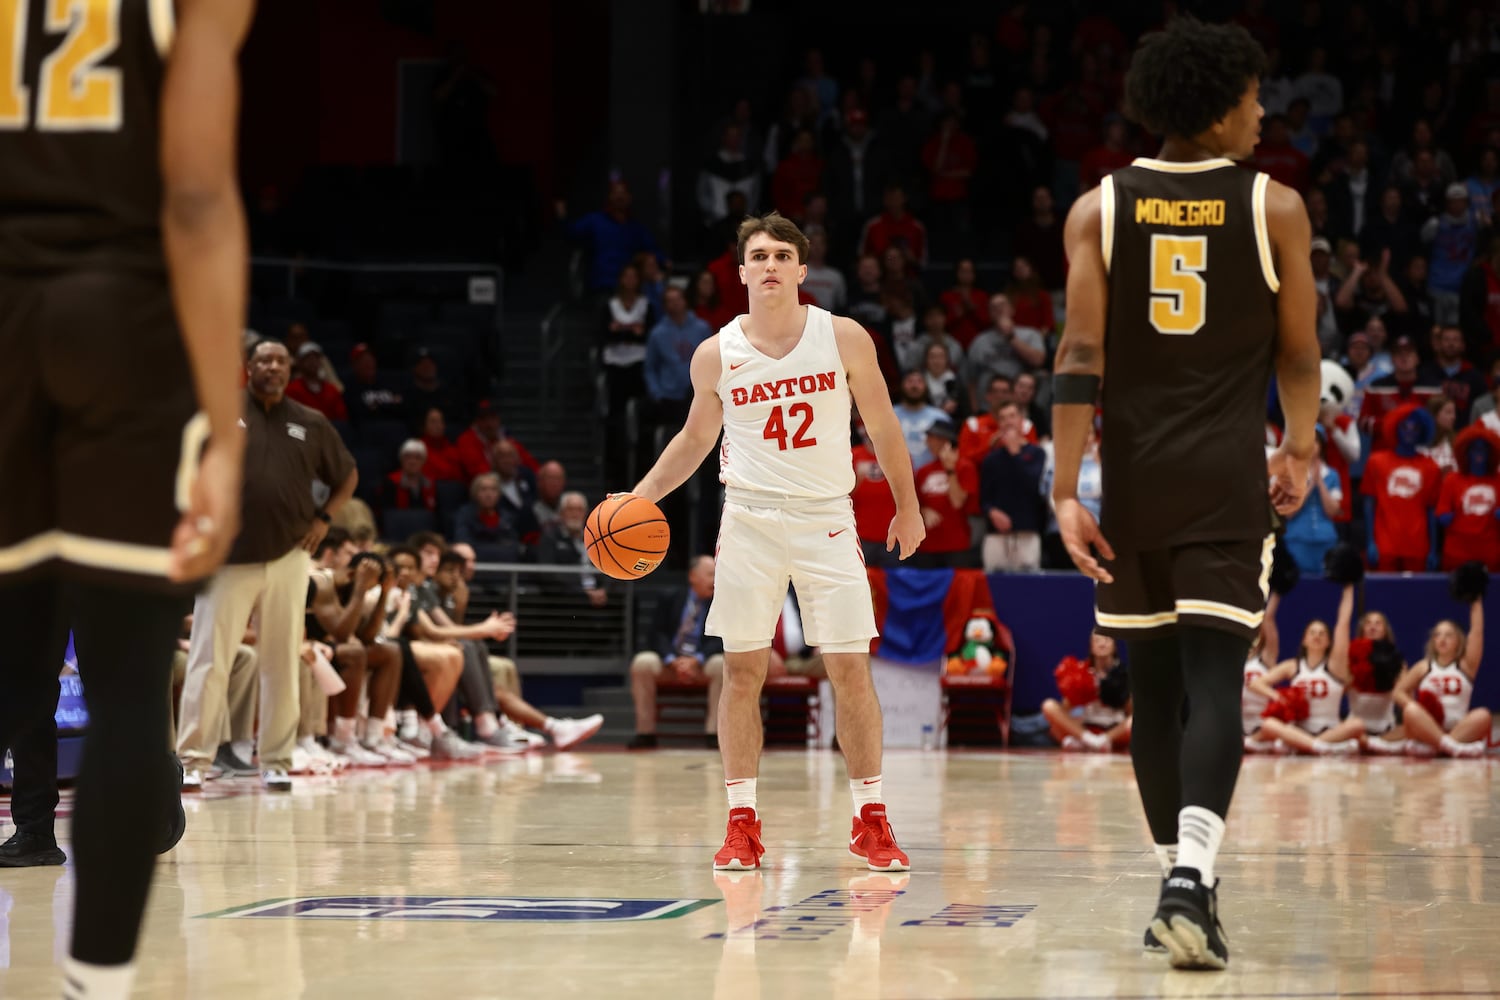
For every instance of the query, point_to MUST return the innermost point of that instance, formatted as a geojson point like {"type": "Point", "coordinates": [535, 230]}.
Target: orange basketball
{"type": "Point", "coordinates": [626, 536]}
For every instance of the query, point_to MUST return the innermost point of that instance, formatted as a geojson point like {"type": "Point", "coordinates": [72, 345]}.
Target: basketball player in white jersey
{"type": "Point", "coordinates": [1447, 672]}
{"type": "Point", "coordinates": [779, 381]}
{"type": "Point", "coordinates": [1321, 670]}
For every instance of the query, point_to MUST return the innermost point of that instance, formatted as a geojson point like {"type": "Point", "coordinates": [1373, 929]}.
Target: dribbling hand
{"type": "Point", "coordinates": [1080, 533]}
{"type": "Point", "coordinates": [907, 530]}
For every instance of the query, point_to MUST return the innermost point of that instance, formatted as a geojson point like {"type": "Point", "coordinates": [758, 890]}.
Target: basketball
{"type": "Point", "coordinates": [626, 536]}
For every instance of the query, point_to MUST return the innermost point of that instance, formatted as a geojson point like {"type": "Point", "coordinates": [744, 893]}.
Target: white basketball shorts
{"type": "Point", "coordinates": [811, 545]}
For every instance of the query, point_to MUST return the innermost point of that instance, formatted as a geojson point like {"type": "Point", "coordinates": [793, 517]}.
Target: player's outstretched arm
{"type": "Point", "coordinates": [871, 395]}
{"type": "Point", "coordinates": [691, 445]}
{"type": "Point", "coordinates": [1077, 375]}
{"type": "Point", "coordinates": [203, 229]}
{"type": "Point", "coordinates": [1299, 376]}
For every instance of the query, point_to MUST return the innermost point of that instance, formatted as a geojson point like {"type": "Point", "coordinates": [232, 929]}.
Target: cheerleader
{"type": "Point", "coordinates": [1376, 667]}
{"type": "Point", "coordinates": [1259, 663]}
{"type": "Point", "coordinates": [1434, 695]}
{"type": "Point", "coordinates": [1094, 710]}
{"type": "Point", "coordinates": [1319, 674]}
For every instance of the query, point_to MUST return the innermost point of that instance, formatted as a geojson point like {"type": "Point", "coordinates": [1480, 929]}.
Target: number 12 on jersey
{"type": "Point", "coordinates": [75, 93]}
{"type": "Point", "coordinates": [1179, 295]}
{"type": "Point", "coordinates": [775, 429]}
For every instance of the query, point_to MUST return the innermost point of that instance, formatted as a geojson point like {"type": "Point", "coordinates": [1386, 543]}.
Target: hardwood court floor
{"type": "Point", "coordinates": [1032, 878]}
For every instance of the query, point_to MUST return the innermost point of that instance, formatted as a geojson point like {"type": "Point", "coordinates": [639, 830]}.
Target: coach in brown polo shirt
{"type": "Point", "coordinates": [287, 447]}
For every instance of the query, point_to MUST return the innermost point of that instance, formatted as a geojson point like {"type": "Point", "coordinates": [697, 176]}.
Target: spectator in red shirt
{"type": "Point", "coordinates": [950, 157]}
{"type": "Point", "coordinates": [1394, 391]}
{"type": "Point", "coordinates": [1468, 507]}
{"type": "Point", "coordinates": [944, 488]}
{"type": "Point", "coordinates": [1108, 157]}
{"type": "Point", "coordinates": [1278, 157]}
{"type": "Point", "coordinates": [874, 505]}
{"type": "Point", "coordinates": [965, 307]}
{"type": "Point", "coordinates": [1032, 302]}
{"type": "Point", "coordinates": [797, 176]}
{"type": "Point", "coordinates": [443, 459]}
{"type": "Point", "coordinates": [1401, 491]}
{"type": "Point", "coordinates": [409, 487]}
{"type": "Point", "coordinates": [476, 443]}
{"type": "Point", "coordinates": [309, 388]}
{"type": "Point", "coordinates": [707, 302]}
{"type": "Point", "coordinates": [895, 227]}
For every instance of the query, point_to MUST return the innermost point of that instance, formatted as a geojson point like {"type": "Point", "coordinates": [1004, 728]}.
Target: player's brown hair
{"type": "Point", "coordinates": [776, 226]}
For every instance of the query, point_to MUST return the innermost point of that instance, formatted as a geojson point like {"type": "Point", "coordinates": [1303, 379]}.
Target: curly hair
{"type": "Point", "coordinates": [1189, 75]}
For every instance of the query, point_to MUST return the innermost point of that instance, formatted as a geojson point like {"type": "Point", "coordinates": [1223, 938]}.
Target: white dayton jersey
{"type": "Point", "coordinates": [1252, 704]}
{"type": "Point", "coordinates": [1324, 693]}
{"type": "Point", "coordinates": [1452, 687]}
{"type": "Point", "coordinates": [786, 420]}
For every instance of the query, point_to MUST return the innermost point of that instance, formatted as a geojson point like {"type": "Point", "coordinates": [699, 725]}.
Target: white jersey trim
{"type": "Point", "coordinates": [1107, 219]}
{"type": "Point", "coordinates": [1263, 233]}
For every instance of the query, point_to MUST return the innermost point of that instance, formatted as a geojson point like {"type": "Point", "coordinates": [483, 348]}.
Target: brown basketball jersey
{"type": "Point", "coordinates": [1188, 353]}
{"type": "Point", "coordinates": [80, 86]}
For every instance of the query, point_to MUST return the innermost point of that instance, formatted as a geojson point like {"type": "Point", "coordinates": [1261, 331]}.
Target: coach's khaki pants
{"type": "Point", "coordinates": [646, 668]}
{"type": "Point", "coordinates": [219, 619]}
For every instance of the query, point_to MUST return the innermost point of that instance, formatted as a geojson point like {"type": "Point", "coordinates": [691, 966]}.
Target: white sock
{"type": "Point", "coordinates": [437, 726]}
{"type": "Point", "coordinates": [866, 791]}
{"type": "Point", "coordinates": [1199, 834]}
{"type": "Point", "coordinates": [1166, 855]}
{"type": "Point", "coordinates": [243, 749]}
{"type": "Point", "coordinates": [741, 791]}
{"type": "Point", "coordinates": [83, 981]}
{"type": "Point", "coordinates": [486, 725]}
{"type": "Point", "coordinates": [343, 730]}
{"type": "Point", "coordinates": [550, 724]}
{"type": "Point", "coordinates": [408, 720]}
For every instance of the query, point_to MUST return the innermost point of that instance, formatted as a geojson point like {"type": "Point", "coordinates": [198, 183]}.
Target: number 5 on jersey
{"type": "Point", "coordinates": [775, 429]}
{"type": "Point", "coordinates": [1178, 292]}
{"type": "Point", "coordinates": [74, 93]}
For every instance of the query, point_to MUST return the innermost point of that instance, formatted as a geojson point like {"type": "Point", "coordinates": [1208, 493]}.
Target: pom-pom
{"type": "Point", "coordinates": [1468, 582]}
{"type": "Point", "coordinates": [1360, 668]}
{"type": "Point", "coordinates": [1289, 705]}
{"type": "Point", "coordinates": [1342, 564]}
{"type": "Point", "coordinates": [1386, 665]}
{"type": "Point", "coordinates": [1284, 571]}
{"type": "Point", "coordinates": [1114, 690]}
{"type": "Point", "coordinates": [1434, 705]}
{"type": "Point", "coordinates": [1075, 682]}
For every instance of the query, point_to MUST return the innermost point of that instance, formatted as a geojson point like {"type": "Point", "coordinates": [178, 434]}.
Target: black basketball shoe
{"type": "Point", "coordinates": [177, 820]}
{"type": "Point", "coordinates": [1187, 922]}
{"type": "Point", "coordinates": [1150, 945]}
{"type": "Point", "coordinates": [30, 850]}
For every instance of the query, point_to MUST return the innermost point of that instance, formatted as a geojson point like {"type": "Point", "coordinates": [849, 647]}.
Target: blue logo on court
{"type": "Point", "coordinates": [527, 908]}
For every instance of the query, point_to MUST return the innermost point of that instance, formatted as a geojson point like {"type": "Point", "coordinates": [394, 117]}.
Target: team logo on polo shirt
{"type": "Point", "coordinates": [297, 431]}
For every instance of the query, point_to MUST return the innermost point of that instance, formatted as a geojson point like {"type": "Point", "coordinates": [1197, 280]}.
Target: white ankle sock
{"type": "Point", "coordinates": [741, 791]}
{"type": "Point", "coordinates": [243, 749]}
{"type": "Point", "coordinates": [1166, 854]}
{"type": "Point", "coordinates": [550, 724]}
{"type": "Point", "coordinates": [437, 726]}
{"type": "Point", "coordinates": [865, 791]}
{"type": "Point", "coordinates": [343, 730]}
{"type": "Point", "coordinates": [83, 981]}
{"type": "Point", "coordinates": [486, 725]}
{"type": "Point", "coordinates": [1199, 834]}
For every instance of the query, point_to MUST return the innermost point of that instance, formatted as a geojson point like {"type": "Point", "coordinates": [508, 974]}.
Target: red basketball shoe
{"type": "Point", "coordinates": [742, 847]}
{"type": "Point", "coordinates": [872, 841]}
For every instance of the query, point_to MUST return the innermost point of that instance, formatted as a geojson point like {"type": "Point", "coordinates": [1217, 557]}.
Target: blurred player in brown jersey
{"type": "Point", "coordinates": [123, 270]}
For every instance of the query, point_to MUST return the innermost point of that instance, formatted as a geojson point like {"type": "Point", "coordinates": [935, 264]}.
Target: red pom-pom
{"type": "Point", "coordinates": [1075, 682]}
{"type": "Point", "coordinates": [1289, 705]}
{"type": "Point", "coordinates": [1360, 667]}
{"type": "Point", "coordinates": [1432, 704]}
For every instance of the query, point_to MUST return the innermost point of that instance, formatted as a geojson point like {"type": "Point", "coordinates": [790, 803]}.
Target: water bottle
{"type": "Point", "coordinates": [929, 737]}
